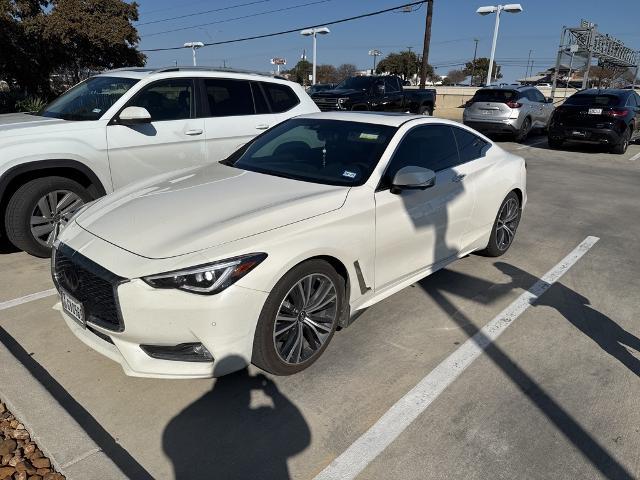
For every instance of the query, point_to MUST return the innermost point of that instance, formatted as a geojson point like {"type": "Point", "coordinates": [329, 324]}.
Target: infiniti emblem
{"type": "Point", "coordinates": [71, 279]}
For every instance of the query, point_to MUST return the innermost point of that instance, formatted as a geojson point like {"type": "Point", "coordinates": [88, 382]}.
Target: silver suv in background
{"type": "Point", "coordinates": [514, 110]}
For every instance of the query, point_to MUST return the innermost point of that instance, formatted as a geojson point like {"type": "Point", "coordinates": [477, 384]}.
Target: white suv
{"type": "Point", "coordinates": [122, 126]}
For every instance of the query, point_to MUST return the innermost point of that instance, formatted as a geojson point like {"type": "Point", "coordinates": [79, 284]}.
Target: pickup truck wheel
{"type": "Point", "coordinates": [425, 110]}
{"type": "Point", "coordinates": [39, 209]}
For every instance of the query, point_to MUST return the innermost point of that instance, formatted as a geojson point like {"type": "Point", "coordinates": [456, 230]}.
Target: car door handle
{"type": "Point", "coordinates": [194, 131]}
{"type": "Point", "coordinates": [458, 178]}
{"type": "Point", "coordinates": [262, 126]}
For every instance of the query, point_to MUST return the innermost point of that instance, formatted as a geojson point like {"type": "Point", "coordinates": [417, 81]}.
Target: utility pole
{"type": "Point", "coordinates": [427, 42]}
{"type": "Point", "coordinates": [526, 72]}
{"type": "Point", "coordinates": [473, 65]}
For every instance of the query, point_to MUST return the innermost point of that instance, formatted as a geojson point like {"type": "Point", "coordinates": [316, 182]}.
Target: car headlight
{"type": "Point", "coordinates": [208, 279]}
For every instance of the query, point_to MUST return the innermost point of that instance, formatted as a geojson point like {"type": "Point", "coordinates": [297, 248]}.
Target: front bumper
{"type": "Point", "coordinates": [606, 136]}
{"type": "Point", "coordinates": [506, 126]}
{"type": "Point", "coordinates": [224, 323]}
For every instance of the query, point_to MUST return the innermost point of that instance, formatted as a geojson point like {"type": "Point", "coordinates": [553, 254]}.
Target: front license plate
{"type": "Point", "coordinates": [595, 111]}
{"type": "Point", "coordinates": [73, 308]}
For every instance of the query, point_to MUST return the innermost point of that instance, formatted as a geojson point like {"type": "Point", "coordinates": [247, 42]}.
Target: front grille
{"type": "Point", "coordinates": [326, 104]}
{"type": "Point", "coordinates": [90, 284]}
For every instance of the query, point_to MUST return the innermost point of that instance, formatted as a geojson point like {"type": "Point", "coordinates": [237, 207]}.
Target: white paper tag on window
{"type": "Point", "coordinates": [349, 174]}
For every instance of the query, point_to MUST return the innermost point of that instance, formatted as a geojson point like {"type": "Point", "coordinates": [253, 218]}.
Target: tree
{"type": "Point", "coordinates": [43, 37]}
{"type": "Point", "coordinates": [94, 34]}
{"type": "Point", "coordinates": [300, 72]}
{"type": "Point", "coordinates": [454, 77]}
{"type": "Point", "coordinates": [405, 64]}
{"type": "Point", "coordinates": [345, 70]}
{"type": "Point", "coordinates": [606, 76]}
{"type": "Point", "coordinates": [326, 74]}
{"type": "Point", "coordinates": [479, 70]}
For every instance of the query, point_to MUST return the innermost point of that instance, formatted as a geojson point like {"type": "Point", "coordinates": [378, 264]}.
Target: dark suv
{"type": "Point", "coordinates": [607, 117]}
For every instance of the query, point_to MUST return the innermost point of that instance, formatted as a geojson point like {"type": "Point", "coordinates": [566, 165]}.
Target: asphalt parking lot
{"type": "Point", "coordinates": [555, 396]}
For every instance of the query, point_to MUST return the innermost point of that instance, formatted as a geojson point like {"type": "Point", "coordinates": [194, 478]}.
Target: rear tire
{"type": "Point", "coordinates": [25, 201]}
{"type": "Point", "coordinates": [525, 128]}
{"type": "Point", "coordinates": [287, 312]}
{"type": "Point", "coordinates": [621, 147]}
{"type": "Point", "coordinates": [504, 226]}
{"type": "Point", "coordinates": [554, 143]}
{"type": "Point", "coordinates": [425, 110]}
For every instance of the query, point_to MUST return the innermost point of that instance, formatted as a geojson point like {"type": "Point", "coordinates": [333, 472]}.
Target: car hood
{"type": "Point", "coordinates": [9, 121]}
{"type": "Point", "coordinates": [195, 209]}
{"type": "Point", "coordinates": [338, 92]}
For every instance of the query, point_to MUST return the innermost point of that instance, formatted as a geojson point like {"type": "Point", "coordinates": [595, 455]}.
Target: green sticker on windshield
{"type": "Point", "coordinates": [369, 136]}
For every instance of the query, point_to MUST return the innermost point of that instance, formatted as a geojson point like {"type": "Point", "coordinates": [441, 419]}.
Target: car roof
{"type": "Point", "coordinates": [507, 87]}
{"type": "Point", "coordinates": [378, 118]}
{"type": "Point", "coordinates": [605, 91]}
{"type": "Point", "coordinates": [140, 73]}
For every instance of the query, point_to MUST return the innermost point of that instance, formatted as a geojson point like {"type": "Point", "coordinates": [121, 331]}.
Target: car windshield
{"type": "Point", "coordinates": [355, 83]}
{"type": "Point", "coordinates": [88, 100]}
{"type": "Point", "coordinates": [593, 100]}
{"type": "Point", "coordinates": [331, 152]}
{"type": "Point", "coordinates": [500, 96]}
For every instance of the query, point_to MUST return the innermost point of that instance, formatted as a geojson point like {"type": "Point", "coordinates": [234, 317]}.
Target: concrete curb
{"type": "Point", "coordinates": [71, 450]}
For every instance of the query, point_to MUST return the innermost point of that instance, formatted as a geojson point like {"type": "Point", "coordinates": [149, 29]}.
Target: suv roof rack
{"type": "Point", "coordinates": [216, 69]}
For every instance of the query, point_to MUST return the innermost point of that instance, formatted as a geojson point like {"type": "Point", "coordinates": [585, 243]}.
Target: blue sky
{"type": "Point", "coordinates": [455, 25]}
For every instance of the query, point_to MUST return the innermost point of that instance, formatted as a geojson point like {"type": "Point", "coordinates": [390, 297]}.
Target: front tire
{"type": "Point", "coordinates": [299, 318]}
{"type": "Point", "coordinates": [39, 209]}
{"type": "Point", "coordinates": [504, 227]}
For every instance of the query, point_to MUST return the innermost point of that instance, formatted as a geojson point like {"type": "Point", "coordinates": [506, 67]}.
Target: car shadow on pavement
{"type": "Point", "coordinates": [575, 308]}
{"type": "Point", "coordinates": [221, 436]}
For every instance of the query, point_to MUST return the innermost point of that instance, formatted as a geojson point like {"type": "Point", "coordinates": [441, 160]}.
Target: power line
{"type": "Point", "coordinates": [293, 7]}
{"type": "Point", "coordinates": [284, 32]}
{"type": "Point", "coordinates": [231, 7]}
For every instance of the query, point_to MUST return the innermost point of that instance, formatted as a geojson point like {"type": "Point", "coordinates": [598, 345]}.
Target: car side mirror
{"type": "Point", "coordinates": [413, 178]}
{"type": "Point", "coordinates": [548, 100]}
{"type": "Point", "coordinates": [134, 116]}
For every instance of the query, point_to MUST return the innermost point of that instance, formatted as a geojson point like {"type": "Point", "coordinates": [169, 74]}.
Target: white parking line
{"type": "Point", "coordinates": [521, 147]}
{"type": "Point", "coordinates": [632, 159]}
{"type": "Point", "coordinates": [373, 442]}
{"type": "Point", "coordinates": [27, 298]}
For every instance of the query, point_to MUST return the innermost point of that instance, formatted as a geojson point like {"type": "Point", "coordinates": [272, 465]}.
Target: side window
{"type": "Point", "coordinates": [228, 97]}
{"type": "Point", "coordinates": [280, 97]}
{"type": "Point", "coordinates": [470, 146]}
{"type": "Point", "coordinates": [539, 96]}
{"type": "Point", "coordinates": [167, 99]}
{"type": "Point", "coordinates": [632, 101]}
{"type": "Point", "coordinates": [391, 85]}
{"type": "Point", "coordinates": [531, 95]}
{"type": "Point", "coordinates": [428, 146]}
{"type": "Point", "coordinates": [258, 99]}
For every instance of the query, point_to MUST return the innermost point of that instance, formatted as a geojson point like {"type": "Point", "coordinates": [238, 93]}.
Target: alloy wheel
{"type": "Point", "coordinates": [507, 224]}
{"type": "Point", "coordinates": [305, 319]}
{"type": "Point", "coordinates": [51, 213]}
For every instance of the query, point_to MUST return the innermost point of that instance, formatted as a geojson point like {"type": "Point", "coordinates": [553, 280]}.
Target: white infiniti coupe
{"type": "Point", "coordinates": [258, 259]}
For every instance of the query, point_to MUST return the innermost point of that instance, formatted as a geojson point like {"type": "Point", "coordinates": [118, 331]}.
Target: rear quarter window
{"type": "Point", "coordinates": [280, 97]}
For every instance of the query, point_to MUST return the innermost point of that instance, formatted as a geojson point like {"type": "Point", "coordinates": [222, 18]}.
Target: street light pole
{"type": "Point", "coordinates": [497, 9]}
{"type": "Point", "coordinates": [374, 53]}
{"type": "Point", "coordinates": [194, 46]}
{"type": "Point", "coordinates": [314, 32]}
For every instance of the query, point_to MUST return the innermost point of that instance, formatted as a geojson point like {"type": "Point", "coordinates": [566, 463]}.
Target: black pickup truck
{"type": "Point", "coordinates": [382, 93]}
